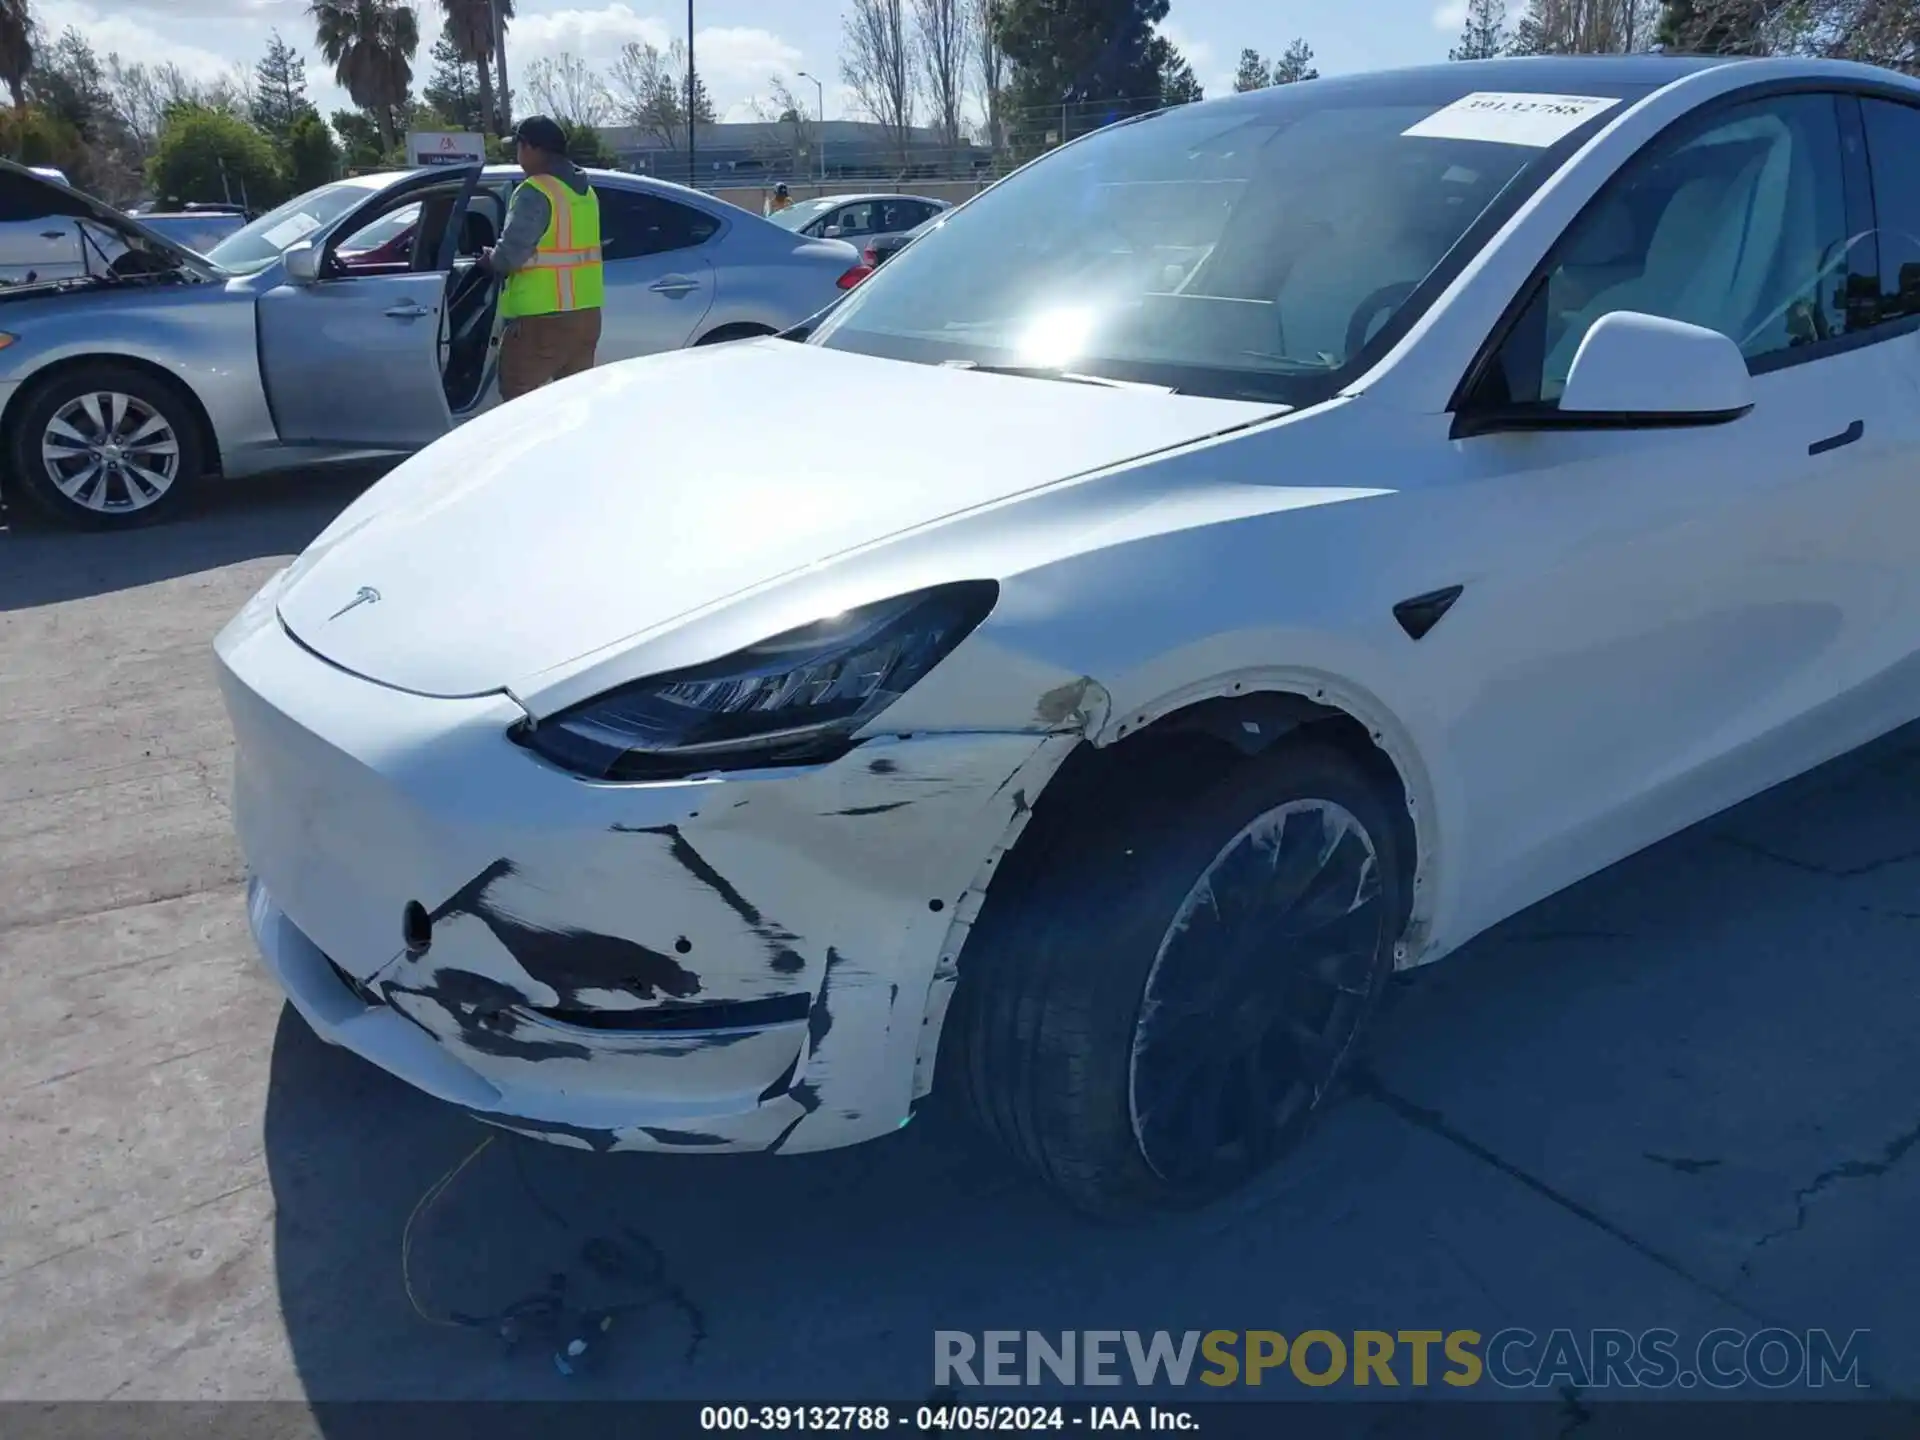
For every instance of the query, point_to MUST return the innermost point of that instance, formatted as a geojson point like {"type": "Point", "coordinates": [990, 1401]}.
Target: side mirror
{"type": "Point", "coordinates": [1665, 372]}
{"type": "Point", "coordinates": [832, 232]}
{"type": "Point", "coordinates": [302, 260]}
{"type": "Point", "coordinates": [1635, 371]}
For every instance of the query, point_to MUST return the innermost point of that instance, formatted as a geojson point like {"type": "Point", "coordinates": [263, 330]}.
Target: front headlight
{"type": "Point", "coordinates": [796, 699]}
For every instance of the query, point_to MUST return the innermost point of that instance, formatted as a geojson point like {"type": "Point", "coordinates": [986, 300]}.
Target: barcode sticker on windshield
{"type": "Point", "coordinates": [288, 231]}
{"type": "Point", "coordinates": [1511, 119]}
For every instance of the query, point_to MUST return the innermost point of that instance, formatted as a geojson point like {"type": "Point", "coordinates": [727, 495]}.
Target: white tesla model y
{"type": "Point", "coordinates": [1253, 548]}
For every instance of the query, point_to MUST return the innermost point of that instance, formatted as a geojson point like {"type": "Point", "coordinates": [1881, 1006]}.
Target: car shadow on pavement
{"type": "Point", "coordinates": [231, 521]}
{"type": "Point", "coordinates": [1670, 1096]}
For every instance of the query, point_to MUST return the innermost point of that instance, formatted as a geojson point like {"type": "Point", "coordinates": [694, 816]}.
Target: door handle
{"type": "Point", "coordinates": [54, 235]}
{"type": "Point", "coordinates": [674, 285]}
{"type": "Point", "coordinates": [1833, 442]}
{"type": "Point", "coordinates": [409, 311]}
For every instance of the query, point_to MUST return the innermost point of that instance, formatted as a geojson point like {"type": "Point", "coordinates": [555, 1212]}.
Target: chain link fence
{"type": "Point", "coordinates": [867, 156]}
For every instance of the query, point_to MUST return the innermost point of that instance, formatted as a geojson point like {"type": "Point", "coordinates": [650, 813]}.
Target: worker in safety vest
{"type": "Point", "coordinates": [781, 199]}
{"type": "Point", "coordinates": [549, 256]}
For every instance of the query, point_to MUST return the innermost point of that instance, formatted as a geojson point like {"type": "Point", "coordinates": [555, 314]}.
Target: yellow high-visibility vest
{"type": "Point", "coordinates": [565, 272]}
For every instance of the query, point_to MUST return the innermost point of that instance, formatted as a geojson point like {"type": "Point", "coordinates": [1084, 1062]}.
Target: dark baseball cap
{"type": "Point", "coordinates": [542, 134]}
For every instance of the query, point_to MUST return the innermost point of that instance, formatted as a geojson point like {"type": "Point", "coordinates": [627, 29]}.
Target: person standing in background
{"type": "Point", "coordinates": [781, 199]}
{"type": "Point", "coordinates": [549, 257]}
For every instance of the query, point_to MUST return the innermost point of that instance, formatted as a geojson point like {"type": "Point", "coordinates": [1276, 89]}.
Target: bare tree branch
{"type": "Point", "coordinates": [1587, 27]}
{"type": "Point", "coordinates": [134, 94]}
{"type": "Point", "coordinates": [943, 31]}
{"type": "Point", "coordinates": [877, 58]}
{"type": "Point", "coordinates": [567, 89]}
{"type": "Point", "coordinates": [990, 63]}
{"type": "Point", "coordinates": [648, 90]}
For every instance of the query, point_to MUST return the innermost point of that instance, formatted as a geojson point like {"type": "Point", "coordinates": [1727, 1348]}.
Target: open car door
{"type": "Point", "coordinates": [356, 359]}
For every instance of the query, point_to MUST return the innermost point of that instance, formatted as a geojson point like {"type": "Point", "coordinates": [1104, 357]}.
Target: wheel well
{"type": "Point", "coordinates": [736, 330]}
{"type": "Point", "coordinates": [159, 374]}
{"type": "Point", "coordinates": [1194, 746]}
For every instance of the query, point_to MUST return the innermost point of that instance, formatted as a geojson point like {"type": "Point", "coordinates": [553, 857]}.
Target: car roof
{"type": "Point", "coordinates": [1553, 74]}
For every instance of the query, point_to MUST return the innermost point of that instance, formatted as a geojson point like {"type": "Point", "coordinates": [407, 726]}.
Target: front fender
{"type": "Point", "coordinates": [203, 335]}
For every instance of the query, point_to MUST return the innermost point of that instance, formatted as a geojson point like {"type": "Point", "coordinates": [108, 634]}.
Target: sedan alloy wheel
{"type": "Point", "coordinates": [110, 452]}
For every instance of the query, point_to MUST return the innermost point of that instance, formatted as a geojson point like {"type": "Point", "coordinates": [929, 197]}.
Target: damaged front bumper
{"type": "Point", "coordinates": [752, 962]}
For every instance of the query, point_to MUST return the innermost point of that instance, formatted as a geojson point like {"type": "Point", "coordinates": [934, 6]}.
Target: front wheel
{"type": "Point", "coordinates": [1156, 1011]}
{"type": "Point", "coordinates": [106, 447]}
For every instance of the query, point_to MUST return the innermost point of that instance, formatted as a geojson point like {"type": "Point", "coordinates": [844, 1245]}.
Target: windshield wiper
{"type": "Point", "coordinates": [1055, 372]}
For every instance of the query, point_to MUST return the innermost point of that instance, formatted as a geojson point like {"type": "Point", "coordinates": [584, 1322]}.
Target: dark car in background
{"type": "Point", "coordinates": [883, 248]}
{"type": "Point", "coordinates": [198, 227]}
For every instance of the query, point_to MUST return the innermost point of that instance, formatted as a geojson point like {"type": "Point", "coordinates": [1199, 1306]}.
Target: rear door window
{"type": "Point", "coordinates": [1893, 147]}
{"type": "Point", "coordinates": [634, 223]}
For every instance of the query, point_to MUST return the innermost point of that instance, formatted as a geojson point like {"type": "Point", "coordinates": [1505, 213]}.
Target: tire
{"type": "Point", "coordinates": [1105, 972]}
{"type": "Point", "coordinates": [106, 447]}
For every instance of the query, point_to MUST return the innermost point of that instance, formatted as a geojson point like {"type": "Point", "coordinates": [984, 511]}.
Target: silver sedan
{"type": "Point", "coordinates": [351, 322]}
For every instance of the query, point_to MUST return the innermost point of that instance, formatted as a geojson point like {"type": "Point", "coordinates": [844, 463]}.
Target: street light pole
{"type": "Point", "coordinates": [692, 94]}
{"type": "Point", "coordinates": [820, 136]}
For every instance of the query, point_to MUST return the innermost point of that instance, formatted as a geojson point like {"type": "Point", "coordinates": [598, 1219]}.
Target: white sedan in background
{"type": "Point", "coordinates": [1356, 510]}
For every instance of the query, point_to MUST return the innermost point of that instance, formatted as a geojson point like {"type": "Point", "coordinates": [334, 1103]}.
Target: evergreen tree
{"type": "Point", "coordinates": [1081, 63]}
{"type": "Point", "coordinates": [1714, 27]}
{"type": "Point", "coordinates": [279, 89]}
{"type": "Point", "coordinates": [1295, 64]}
{"type": "Point", "coordinates": [68, 84]}
{"type": "Point", "coordinates": [1253, 72]}
{"type": "Point", "coordinates": [312, 159]}
{"type": "Point", "coordinates": [1178, 85]}
{"type": "Point", "coordinates": [453, 89]}
{"type": "Point", "coordinates": [360, 142]}
{"type": "Point", "coordinates": [1484, 35]}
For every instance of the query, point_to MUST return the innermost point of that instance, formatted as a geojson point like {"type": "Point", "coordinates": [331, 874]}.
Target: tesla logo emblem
{"type": "Point", "coordinates": [365, 595]}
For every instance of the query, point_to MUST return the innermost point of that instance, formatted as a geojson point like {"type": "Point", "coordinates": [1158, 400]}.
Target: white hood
{"type": "Point", "coordinates": [616, 502]}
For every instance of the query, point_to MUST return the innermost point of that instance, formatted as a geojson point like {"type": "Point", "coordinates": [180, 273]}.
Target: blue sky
{"type": "Point", "coordinates": [743, 44]}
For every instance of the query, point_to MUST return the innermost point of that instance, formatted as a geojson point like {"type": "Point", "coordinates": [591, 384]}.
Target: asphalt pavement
{"type": "Point", "coordinates": [1680, 1094]}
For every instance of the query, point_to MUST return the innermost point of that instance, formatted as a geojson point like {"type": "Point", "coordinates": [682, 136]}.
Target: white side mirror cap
{"type": "Point", "coordinates": [1642, 367]}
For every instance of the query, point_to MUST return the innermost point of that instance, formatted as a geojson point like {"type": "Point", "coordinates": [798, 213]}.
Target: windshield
{"type": "Point", "coordinates": [801, 213]}
{"type": "Point", "coordinates": [257, 245]}
{"type": "Point", "coordinates": [1250, 248]}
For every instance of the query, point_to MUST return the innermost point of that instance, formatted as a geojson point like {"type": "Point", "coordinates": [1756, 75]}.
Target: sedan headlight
{"type": "Point", "coordinates": [796, 699]}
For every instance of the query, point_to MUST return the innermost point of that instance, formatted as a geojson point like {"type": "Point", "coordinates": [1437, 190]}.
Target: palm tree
{"type": "Point", "coordinates": [370, 44]}
{"type": "Point", "coordinates": [16, 48]}
{"type": "Point", "coordinates": [470, 24]}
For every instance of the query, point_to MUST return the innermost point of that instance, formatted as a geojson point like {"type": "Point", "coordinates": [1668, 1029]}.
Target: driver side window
{"type": "Point", "coordinates": [1738, 225]}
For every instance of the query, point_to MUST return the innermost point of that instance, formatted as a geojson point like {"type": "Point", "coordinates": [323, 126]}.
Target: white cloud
{"type": "Point", "coordinates": [1450, 16]}
{"type": "Point", "coordinates": [209, 38]}
{"type": "Point", "coordinates": [239, 27]}
{"type": "Point", "coordinates": [737, 62]}
{"type": "Point", "coordinates": [741, 58]}
{"type": "Point", "coordinates": [1214, 77]}
{"type": "Point", "coordinates": [594, 35]}
{"type": "Point", "coordinates": [130, 38]}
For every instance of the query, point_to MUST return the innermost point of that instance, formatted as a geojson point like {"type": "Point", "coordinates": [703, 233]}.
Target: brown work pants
{"type": "Point", "coordinates": [538, 349]}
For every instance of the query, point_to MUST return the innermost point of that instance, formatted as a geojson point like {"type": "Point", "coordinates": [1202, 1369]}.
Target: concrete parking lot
{"type": "Point", "coordinates": [1681, 1094]}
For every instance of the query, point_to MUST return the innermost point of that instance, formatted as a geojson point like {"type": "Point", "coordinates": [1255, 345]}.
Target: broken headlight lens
{"type": "Point", "coordinates": [796, 699]}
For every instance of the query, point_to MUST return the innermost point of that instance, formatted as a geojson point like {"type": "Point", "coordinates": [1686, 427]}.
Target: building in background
{"type": "Point", "coordinates": [756, 151]}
